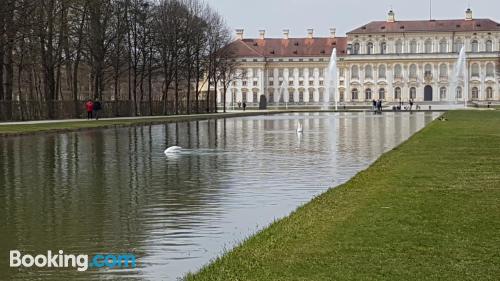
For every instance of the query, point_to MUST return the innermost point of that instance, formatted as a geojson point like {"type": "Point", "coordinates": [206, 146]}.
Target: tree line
{"type": "Point", "coordinates": [139, 52]}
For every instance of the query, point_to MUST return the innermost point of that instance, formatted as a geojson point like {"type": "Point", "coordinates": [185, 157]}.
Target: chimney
{"type": "Point", "coordinates": [262, 34]}
{"type": "Point", "coordinates": [310, 33]}
{"type": "Point", "coordinates": [468, 14]}
{"type": "Point", "coordinates": [333, 32]}
{"type": "Point", "coordinates": [391, 17]}
{"type": "Point", "coordinates": [239, 34]}
{"type": "Point", "coordinates": [286, 33]}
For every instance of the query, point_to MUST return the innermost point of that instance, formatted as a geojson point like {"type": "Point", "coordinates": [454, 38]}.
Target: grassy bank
{"type": "Point", "coordinates": [62, 126]}
{"type": "Point", "coordinates": [428, 210]}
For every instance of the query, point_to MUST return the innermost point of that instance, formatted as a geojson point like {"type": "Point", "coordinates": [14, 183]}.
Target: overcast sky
{"type": "Point", "coordinates": [345, 15]}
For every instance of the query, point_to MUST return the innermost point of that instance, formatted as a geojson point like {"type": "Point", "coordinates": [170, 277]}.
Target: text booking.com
{"type": "Point", "coordinates": [79, 262]}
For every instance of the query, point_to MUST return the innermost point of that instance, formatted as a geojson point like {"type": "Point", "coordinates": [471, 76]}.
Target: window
{"type": "Point", "coordinates": [459, 93]}
{"type": "Point", "coordinates": [354, 94]}
{"type": "Point", "coordinates": [489, 93]}
{"type": "Point", "coordinates": [271, 96]}
{"type": "Point", "coordinates": [311, 95]}
{"type": "Point", "coordinates": [381, 93]}
{"type": "Point", "coordinates": [383, 48]}
{"type": "Point", "coordinates": [381, 72]}
{"type": "Point", "coordinates": [475, 93]}
{"type": "Point", "coordinates": [397, 93]}
{"type": "Point", "coordinates": [301, 96]}
{"type": "Point", "coordinates": [442, 93]}
{"type": "Point", "coordinates": [355, 48]}
{"type": "Point", "coordinates": [475, 46]}
{"type": "Point", "coordinates": [355, 72]}
{"type": "Point", "coordinates": [443, 71]}
{"type": "Point", "coordinates": [443, 46]}
{"type": "Point", "coordinates": [413, 71]}
{"type": "Point", "coordinates": [290, 97]}
{"type": "Point", "coordinates": [428, 46]}
{"type": "Point", "coordinates": [475, 70]}
{"type": "Point", "coordinates": [398, 71]}
{"type": "Point", "coordinates": [399, 47]}
{"type": "Point", "coordinates": [290, 83]}
{"type": "Point", "coordinates": [301, 83]}
{"type": "Point", "coordinates": [311, 82]}
{"type": "Point", "coordinates": [489, 46]}
{"type": "Point", "coordinates": [321, 83]}
{"type": "Point", "coordinates": [281, 83]}
{"type": "Point", "coordinates": [428, 71]}
{"type": "Point", "coordinates": [413, 46]}
{"type": "Point", "coordinates": [321, 71]}
{"type": "Point", "coordinates": [490, 70]}
{"type": "Point", "coordinates": [270, 73]}
{"type": "Point", "coordinates": [271, 83]}
{"type": "Point", "coordinates": [301, 72]}
{"type": "Point", "coordinates": [244, 83]}
{"type": "Point", "coordinates": [254, 96]}
{"type": "Point", "coordinates": [255, 83]}
{"type": "Point", "coordinates": [369, 48]}
{"type": "Point", "coordinates": [280, 72]}
{"type": "Point", "coordinates": [368, 94]}
{"type": "Point", "coordinates": [413, 93]}
{"type": "Point", "coordinates": [458, 46]}
{"type": "Point", "coordinates": [341, 95]}
{"type": "Point", "coordinates": [244, 96]}
{"type": "Point", "coordinates": [368, 72]}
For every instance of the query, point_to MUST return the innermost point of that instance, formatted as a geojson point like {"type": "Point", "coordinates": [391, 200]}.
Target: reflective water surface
{"type": "Point", "coordinates": [114, 191]}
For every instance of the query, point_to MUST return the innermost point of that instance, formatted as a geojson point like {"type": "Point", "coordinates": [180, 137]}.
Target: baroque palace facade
{"type": "Point", "coordinates": [395, 61]}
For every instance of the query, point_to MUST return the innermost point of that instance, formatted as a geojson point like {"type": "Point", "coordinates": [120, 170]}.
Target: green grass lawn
{"type": "Point", "coordinates": [20, 129]}
{"type": "Point", "coordinates": [427, 210]}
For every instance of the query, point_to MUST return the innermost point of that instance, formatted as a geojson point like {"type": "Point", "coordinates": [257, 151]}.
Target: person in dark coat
{"type": "Point", "coordinates": [97, 108]}
{"type": "Point", "coordinates": [244, 106]}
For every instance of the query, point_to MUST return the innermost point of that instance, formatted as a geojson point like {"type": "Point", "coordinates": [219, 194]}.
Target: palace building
{"type": "Point", "coordinates": [390, 60]}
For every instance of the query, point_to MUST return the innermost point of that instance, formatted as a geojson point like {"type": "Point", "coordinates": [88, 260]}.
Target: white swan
{"type": "Point", "coordinates": [299, 128]}
{"type": "Point", "coordinates": [172, 149]}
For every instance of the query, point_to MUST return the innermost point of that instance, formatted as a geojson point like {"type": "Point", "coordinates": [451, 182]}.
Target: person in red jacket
{"type": "Point", "coordinates": [89, 105]}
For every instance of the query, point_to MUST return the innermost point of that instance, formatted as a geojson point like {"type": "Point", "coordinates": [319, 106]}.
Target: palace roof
{"type": "Point", "coordinates": [292, 47]}
{"type": "Point", "coordinates": [460, 25]}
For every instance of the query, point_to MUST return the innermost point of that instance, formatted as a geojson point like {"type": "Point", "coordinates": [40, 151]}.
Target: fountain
{"type": "Point", "coordinates": [460, 78]}
{"type": "Point", "coordinates": [281, 92]}
{"type": "Point", "coordinates": [331, 81]}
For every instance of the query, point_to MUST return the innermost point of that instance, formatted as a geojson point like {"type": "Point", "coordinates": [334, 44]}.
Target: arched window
{"type": "Point", "coordinates": [475, 70]}
{"type": "Point", "coordinates": [368, 72]}
{"type": "Point", "coordinates": [399, 47]}
{"type": "Point", "coordinates": [489, 93]}
{"type": "Point", "coordinates": [443, 71]}
{"type": "Point", "coordinates": [490, 70]}
{"type": "Point", "coordinates": [398, 71]}
{"type": "Point", "coordinates": [413, 71]}
{"type": "Point", "coordinates": [413, 46]}
{"type": "Point", "coordinates": [458, 46]}
{"type": "Point", "coordinates": [381, 93]}
{"type": "Point", "coordinates": [442, 93]}
{"type": "Point", "coordinates": [413, 93]}
{"type": "Point", "coordinates": [355, 49]}
{"type": "Point", "coordinates": [383, 48]}
{"type": "Point", "coordinates": [459, 92]}
{"type": "Point", "coordinates": [381, 72]}
{"type": "Point", "coordinates": [354, 94]}
{"type": "Point", "coordinates": [489, 46]}
{"type": "Point", "coordinates": [397, 93]}
{"type": "Point", "coordinates": [368, 94]}
{"type": "Point", "coordinates": [369, 48]}
{"type": "Point", "coordinates": [443, 46]}
{"type": "Point", "coordinates": [428, 70]}
{"type": "Point", "coordinates": [475, 93]}
{"type": "Point", "coordinates": [428, 46]}
{"type": "Point", "coordinates": [311, 95]}
{"type": "Point", "coordinates": [475, 46]}
{"type": "Point", "coordinates": [355, 72]}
